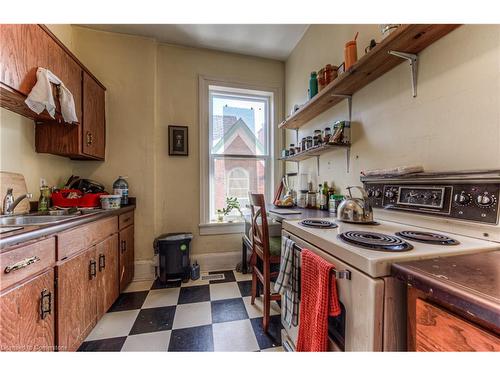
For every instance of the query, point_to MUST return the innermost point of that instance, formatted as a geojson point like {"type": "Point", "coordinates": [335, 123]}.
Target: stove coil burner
{"type": "Point", "coordinates": [375, 241]}
{"type": "Point", "coordinates": [319, 224]}
{"type": "Point", "coordinates": [427, 237]}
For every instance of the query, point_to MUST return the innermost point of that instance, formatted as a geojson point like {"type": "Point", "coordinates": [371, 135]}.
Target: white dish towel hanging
{"type": "Point", "coordinates": [41, 97]}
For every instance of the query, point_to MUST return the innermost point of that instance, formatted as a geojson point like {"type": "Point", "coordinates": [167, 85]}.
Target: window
{"type": "Point", "coordinates": [237, 153]}
{"type": "Point", "coordinates": [238, 185]}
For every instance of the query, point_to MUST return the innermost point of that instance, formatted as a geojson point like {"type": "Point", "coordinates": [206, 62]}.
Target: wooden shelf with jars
{"type": "Point", "coordinates": [402, 44]}
{"type": "Point", "coordinates": [315, 151]}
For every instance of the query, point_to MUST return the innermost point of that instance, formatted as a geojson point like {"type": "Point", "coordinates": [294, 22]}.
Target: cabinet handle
{"type": "Point", "coordinates": [90, 138]}
{"type": "Point", "coordinates": [45, 303]}
{"type": "Point", "coordinates": [21, 264]}
{"type": "Point", "coordinates": [102, 262]}
{"type": "Point", "coordinates": [123, 245]}
{"type": "Point", "coordinates": [92, 269]}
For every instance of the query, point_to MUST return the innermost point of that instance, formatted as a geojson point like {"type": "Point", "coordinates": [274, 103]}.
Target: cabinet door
{"type": "Point", "coordinates": [94, 122]}
{"type": "Point", "coordinates": [69, 72]}
{"type": "Point", "coordinates": [126, 256]}
{"type": "Point", "coordinates": [23, 49]}
{"type": "Point", "coordinates": [107, 275]}
{"type": "Point", "coordinates": [76, 299]}
{"type": "Point", "coordinates": [23, 326]}
{"type": "Point", "coordinates": [437, 330]}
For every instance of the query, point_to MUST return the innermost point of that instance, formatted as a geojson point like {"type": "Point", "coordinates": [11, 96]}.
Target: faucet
{"type": "Point", "coordinates": [9, 204]}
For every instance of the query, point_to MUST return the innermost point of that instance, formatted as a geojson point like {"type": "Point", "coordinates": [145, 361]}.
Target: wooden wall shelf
{"type": "Point", "coordinates": [315, 151]}
{"type": "Point", "coordinates": [407, 38]}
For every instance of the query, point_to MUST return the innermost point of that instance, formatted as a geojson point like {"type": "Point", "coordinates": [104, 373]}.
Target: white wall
{"type": "Point", "coordinates": [453, 123]}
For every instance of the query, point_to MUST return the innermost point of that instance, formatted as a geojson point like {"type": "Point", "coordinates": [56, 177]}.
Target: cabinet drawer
{"type": "Point", "coordinates": [126, 219]}
{"type": "Point", "coordinates": [24, 261]}
{"type": "Point", "coordinates": [83, 237]}
{"type": "Point", "coordinates": [439, 330]}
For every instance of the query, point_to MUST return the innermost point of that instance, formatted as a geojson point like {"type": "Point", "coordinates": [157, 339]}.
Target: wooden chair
{"type": "Point", "coordinates": [267, 250]}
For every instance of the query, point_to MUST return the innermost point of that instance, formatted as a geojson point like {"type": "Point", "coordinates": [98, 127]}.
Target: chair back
{"type": "Point", "coordinates": [260, 232]}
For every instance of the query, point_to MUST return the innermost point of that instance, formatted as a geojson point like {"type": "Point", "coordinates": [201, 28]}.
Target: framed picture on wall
{"type": "Point", "coordinates": [178, 140]}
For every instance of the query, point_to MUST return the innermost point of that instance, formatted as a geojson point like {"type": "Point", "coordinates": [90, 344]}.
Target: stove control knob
{"type": "Point", "coordinates": [370, 193]}
{"type": "Point", "coordinates": [485, 200]}
{"type": "Point", "coordinates": [378, 193]}
{"type": "Point", "coordinates": [462, 198]}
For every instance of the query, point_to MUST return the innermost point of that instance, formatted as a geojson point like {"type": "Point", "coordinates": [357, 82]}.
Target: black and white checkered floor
{"type": "Point", "coordinates": [199, 315]}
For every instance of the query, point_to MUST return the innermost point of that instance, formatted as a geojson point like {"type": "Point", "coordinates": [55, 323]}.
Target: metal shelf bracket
{"type": "Point", "coordinates": [413, 59]}
{"type": "Point", "coordinates": [349, 102]}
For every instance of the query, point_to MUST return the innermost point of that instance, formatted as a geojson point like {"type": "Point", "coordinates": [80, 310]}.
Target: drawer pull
{"type": "Point", "coordinates": [45, 303]}
{"type": "Point", "coordinates": [21, 264]}
{"type": "Point", "coordinates": [102, 262]}
{"type": "Point", "coordinates": [92, 269]}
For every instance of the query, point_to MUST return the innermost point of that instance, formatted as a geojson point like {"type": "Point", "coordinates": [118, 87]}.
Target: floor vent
{"type": "Point", "coordinates": [216, 276]}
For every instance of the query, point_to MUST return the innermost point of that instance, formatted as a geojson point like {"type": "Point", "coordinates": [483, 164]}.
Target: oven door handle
{"type": "Point", "coordinates": [338, 274]}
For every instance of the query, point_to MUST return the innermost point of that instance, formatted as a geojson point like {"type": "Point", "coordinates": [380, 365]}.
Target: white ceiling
{"type": "Point", "coordinates": [270, 41]}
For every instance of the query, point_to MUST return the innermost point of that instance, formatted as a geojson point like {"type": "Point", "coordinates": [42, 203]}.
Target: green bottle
{"type": "Point", "coordinates": [313, 85]}
{"type": "Point", "coordinates": [44, 201]}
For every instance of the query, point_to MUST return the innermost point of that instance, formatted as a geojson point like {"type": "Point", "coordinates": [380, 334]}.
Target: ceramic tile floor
{"type": "Point", "coordinates": [199, 315]}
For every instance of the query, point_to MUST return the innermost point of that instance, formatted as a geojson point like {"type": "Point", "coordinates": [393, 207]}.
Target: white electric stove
{"type": "Point", "coordinates": [417, 217]}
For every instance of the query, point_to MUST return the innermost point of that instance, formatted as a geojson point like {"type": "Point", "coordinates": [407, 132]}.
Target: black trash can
{"type": "Point", "coordinates": [173, 253]}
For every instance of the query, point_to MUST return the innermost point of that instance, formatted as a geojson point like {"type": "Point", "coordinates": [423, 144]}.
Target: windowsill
{"type": "Point", "coordinates": [214, 228]}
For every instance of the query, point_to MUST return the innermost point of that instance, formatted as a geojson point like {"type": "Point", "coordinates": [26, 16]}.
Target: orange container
{"type": "Point", "coordinates": [350, 54]}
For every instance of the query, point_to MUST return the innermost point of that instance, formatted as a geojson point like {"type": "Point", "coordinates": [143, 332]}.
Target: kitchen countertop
{"type": "Point", "coordinates": [31, 232]}
{"type": "Point", "coordinates": [467, 283]}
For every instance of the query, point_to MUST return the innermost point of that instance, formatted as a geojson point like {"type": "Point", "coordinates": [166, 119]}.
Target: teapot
{"type": "Point", "coordinates": [355, 210]}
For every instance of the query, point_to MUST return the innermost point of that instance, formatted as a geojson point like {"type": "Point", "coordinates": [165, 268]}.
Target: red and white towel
{"type": "Point", "coordinates": [318, 301]}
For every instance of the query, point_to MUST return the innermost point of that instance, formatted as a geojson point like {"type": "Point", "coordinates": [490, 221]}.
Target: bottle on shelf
{"type": "Point", "coordinates": [313, 85]}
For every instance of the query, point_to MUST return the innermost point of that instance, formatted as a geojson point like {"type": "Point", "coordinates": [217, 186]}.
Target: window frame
{"type": "Point", "coordinates": [274, 138]}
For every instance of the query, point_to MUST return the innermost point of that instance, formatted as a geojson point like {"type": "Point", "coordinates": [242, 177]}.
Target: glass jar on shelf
{"type": "Point", "coordinates": [291, 150]}
{"type": "Point", "coordinates": [309, 142]}
{"type": "Point", "coordinates": [326, 135]}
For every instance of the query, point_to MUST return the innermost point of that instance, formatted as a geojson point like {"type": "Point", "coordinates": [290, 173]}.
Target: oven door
{"type": "Point", "coordinates": [359, 326]}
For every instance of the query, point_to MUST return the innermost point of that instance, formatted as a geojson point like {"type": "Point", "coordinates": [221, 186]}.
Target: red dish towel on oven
{"type": "Point", "coordinates": [318, 300]}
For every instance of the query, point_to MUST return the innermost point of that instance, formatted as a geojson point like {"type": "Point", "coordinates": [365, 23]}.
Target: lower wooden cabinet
{"type": "Point", "coordinates": [107, 274]}
{"type": "Point", "coordinates": [76, 299]}
{"type": "Point", "coordinates": [436, 329]}
{"type": "Point", "coordinates": [27, 315]}
{"type": "Point", "coordinates": [126, 256]}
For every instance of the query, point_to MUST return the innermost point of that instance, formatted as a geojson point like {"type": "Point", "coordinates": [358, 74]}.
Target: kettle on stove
{"type": "Point", "coordinates": [355, 210]}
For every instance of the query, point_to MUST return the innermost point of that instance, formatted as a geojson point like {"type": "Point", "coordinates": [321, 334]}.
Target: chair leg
{"type": "Point", "coordinates": [253, 264]}
{"type": "Point", "coordinates": [267, 296]}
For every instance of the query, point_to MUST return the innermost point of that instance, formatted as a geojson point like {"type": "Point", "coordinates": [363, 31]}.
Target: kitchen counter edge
{"type": "Point", "coordinates": [51, 229]}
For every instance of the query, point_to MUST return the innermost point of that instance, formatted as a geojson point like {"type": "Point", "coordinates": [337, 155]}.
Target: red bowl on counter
{"type": "Point", "coordinates": [89, 200]}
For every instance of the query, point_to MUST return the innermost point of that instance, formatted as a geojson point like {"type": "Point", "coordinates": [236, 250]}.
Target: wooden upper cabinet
{"type": "Point", "coordinates": [94, 118]}
{"type": "Point", "coordinates": [69, 72]}
{"type": "Point", "coordinates": [23, 48]}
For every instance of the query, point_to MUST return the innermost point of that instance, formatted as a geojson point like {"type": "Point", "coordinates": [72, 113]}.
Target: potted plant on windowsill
{"type": "Point", "coordinates": [231, 204]}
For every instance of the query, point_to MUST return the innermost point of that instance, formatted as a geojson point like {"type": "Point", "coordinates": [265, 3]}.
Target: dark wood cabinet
{"type": "Point", "coordinates": [27, 315]}
{"type": "Point", "coordinates": [24, 48]}
{"type": "Point", "coordinates": [94, 118]}
{"type": "Point", "coordinates": [107, 275]}
{"type": "Point", "coordinates": [126, 256]}
{"type": "Point", "coordinates": [76, 299]}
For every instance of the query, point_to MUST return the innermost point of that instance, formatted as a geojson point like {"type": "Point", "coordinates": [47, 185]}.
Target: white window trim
{"type": "Point", "coordinates": [276, 113]}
